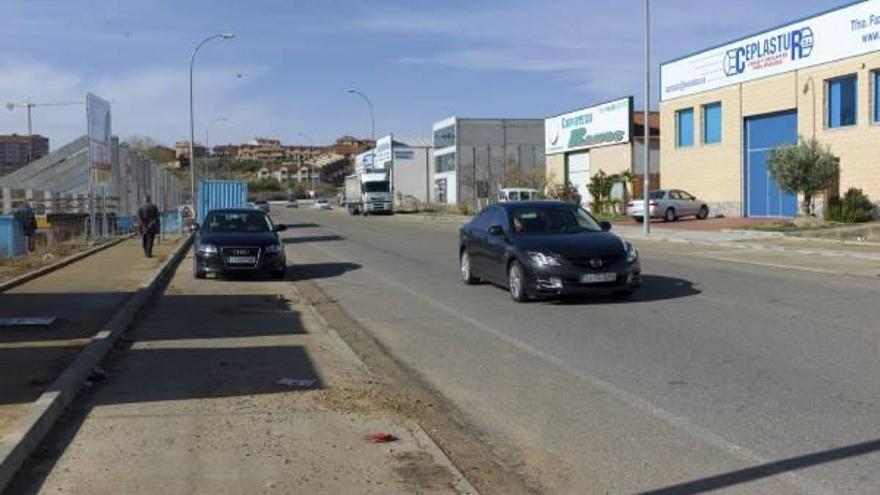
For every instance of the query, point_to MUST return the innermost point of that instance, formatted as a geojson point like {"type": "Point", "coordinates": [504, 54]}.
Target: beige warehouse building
{"type": "Point", "coordinates": [723, 109]}
{"type": "Point", "coordinates": [607, 137]}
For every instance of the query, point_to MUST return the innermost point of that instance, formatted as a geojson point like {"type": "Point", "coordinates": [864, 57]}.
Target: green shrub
{"type": "Point", "coordinates": [854, 207]}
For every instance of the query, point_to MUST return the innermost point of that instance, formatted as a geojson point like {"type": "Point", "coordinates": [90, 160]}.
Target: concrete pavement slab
{"type": "Point", "coordinates": [193, 405]}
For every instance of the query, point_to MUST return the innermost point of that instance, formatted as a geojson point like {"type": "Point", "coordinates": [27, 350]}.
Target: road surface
{"type": "Point", "coordinates": [717, 375]}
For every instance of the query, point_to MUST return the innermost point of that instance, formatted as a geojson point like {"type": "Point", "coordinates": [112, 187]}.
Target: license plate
{"type": "Point", "coordinates": [598, 278]}
{"type": "Point", "coordinates": [241, 260]}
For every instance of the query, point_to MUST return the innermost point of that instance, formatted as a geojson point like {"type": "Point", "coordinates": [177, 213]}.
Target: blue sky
{"type": "Point", "coordinates": [287, 70]}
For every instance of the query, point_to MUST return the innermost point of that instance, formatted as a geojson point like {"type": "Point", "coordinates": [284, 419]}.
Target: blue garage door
{"type": "Point", "coordinates": [762, 195]}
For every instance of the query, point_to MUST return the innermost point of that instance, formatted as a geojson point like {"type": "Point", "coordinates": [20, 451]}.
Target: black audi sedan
{"type": "Point", "coordinates": [543, 249]}
{"type": "Point", "coordinates": [238, 241]}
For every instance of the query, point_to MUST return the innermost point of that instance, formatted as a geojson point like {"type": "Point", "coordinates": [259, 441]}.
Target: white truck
{"type": "Point", "coordinates": [368, 192]}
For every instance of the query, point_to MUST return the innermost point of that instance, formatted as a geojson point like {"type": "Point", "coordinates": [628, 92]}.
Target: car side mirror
{"type": "Point", "coordinates": [496, 230]}
{"type": "Point", "coordinates": [280, 228]}
{"type": "Point", "coordinates": [606, 225]}
{"type": "Point", "coordinates": [194, 227]}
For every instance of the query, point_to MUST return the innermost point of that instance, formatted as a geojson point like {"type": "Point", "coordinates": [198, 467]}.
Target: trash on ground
{"type": "Point", "coordinates": [292, 382]}
{"type": "Point", "coordinates": [381, 437]}
{"type": "Point", "coordinates": [32, 321]}
{"type": "Point", "coordinates": [98, 374]}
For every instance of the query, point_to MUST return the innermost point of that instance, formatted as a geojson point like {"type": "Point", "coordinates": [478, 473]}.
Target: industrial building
{"type": "Point", "coordinates": [410, 163]}
{"type": "Point", "coordinates": [474, 158]}
{"type": "Point", "coordinates": [723, 110]}
{"type": "Point", "coordinates": [608, 137]}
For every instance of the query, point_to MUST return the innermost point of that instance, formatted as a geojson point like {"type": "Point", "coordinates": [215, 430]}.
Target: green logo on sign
{"type": "Point", "coordinates": [579, 138]}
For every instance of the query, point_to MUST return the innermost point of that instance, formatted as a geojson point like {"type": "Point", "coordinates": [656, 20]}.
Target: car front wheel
{"type": "Point", "coordinates": [464, 263]}
{"type": "Point", "coordinates": [670, 215]}
{"type": "Point", "coordinates": [704, 212]}
{"type": "Point", "coordinates": [516, 282]}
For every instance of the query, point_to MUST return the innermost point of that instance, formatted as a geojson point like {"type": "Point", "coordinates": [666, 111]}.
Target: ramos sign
{"type": "Point", "coordinates": [601, 125]}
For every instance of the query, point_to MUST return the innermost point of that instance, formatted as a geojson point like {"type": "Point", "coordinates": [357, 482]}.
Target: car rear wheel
{"type": "Point", "coordinates": [638, 219]}
{"type": "Point", "coordinates": [464, 263]}
{"type": "Point", "coordinates": [516, 282]}
{"type": "Point", "coordinates": [704, 212]}
{"type": "Point", "coordinates": [670, 215]}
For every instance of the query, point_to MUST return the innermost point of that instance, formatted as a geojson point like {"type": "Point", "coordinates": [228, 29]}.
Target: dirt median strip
{"type": "Point", "coordinates": [16, 446]}
{"type": "Point", "coordinates": [406, 393]}
{"type": "Point", "coordinates": [27, 277]}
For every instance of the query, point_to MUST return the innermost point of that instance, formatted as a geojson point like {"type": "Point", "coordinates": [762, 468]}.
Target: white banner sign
{"type": "Point", "coordinates": [601, 125]}
{"type": "Point", "coordinates": [838, 34]}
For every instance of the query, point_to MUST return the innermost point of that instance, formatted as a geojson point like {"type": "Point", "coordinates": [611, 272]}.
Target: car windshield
{"type": "Point", "coordinates": [552, 220]}
{"type": "Point", "coordinates": [656, 194]}
{"type": "Point", "coordinates": [247, 221]}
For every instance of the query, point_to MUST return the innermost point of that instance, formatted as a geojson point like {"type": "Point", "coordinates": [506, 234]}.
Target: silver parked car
{"type": "Point", "coordinates": [668, 204]}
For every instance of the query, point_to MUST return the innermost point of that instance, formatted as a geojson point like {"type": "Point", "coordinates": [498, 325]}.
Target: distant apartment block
{"type": "Point", "coordinates": [15, 150]}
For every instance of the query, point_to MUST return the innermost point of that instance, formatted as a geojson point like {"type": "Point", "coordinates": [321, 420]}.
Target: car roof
{"type": "Point", "coordinates": [542, 202]}
{"type": "Point", "coordinates": [236, 210]}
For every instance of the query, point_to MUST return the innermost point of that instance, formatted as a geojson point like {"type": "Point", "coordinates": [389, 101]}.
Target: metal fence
{"type": "Point", "coordinates": [69, 206]}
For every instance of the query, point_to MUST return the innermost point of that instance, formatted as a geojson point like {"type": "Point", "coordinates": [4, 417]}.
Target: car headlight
{"type": "Point", "coordinates": [632, 254]}
{"type": "Point", "coordinates": [274, 248]}
{"type": "Point", "coordinates": [543, 260]}
{"type": "Point", "coordinates": [206, 249]}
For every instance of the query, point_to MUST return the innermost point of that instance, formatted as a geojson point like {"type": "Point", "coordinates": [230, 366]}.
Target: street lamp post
{"type": "Point", "coordinates": [646, 217]}
{"type": "Point", "coordinates": [312, 180]}
{"type": "Point", "coordinates": [372, 120]}
{"type": "Point", "coordinates": [192, 124]}
{"type": "Point", "coordinates": [207, 139]}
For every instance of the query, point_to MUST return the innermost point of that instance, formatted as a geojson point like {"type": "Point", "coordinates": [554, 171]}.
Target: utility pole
{"type": "Point", "coordinates": [646, 218]}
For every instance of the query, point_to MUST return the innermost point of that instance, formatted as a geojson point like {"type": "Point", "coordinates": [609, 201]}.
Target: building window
{"type": "Point", "coordinates": [444, 163]}
{"type": "Point", "coordinates": [877, 96]}
{"type": "Point", "coordinates": [445, 137]}
{"type": "Point", "coordinates": [842, 101]}
{"type": "Point", "coordinates": [684, 128]}
{"type": "Point", "coordinates": [712, 123]}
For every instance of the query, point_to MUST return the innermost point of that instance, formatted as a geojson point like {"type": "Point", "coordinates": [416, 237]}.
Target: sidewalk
{"type": "Point", "coordinates": [197, 403]}
{"type": "Point", "coordinates": [82, 296]}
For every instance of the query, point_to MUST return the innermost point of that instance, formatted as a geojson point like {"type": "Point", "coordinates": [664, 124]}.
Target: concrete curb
{"type": "Point", "coordinates": [27, 277]}
{"type": "Point", "coordinates": [16, 446]}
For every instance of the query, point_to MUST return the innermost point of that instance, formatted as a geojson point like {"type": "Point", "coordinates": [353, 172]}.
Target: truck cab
{"type": "Point", "coordinates": [369, 192]}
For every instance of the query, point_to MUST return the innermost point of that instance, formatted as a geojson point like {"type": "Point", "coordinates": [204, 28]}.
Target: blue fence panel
{"type": "Point", "coordinates": [124, 225]}
{"type": "Point", "coordinates": [172, 223]}
{"type": "Point", "coordinates": [12, 240]}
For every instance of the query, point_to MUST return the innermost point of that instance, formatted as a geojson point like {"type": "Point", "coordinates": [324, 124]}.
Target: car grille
{"type": "Point", "coordinates": [586, 261]}
{"type": "Point", "coordinates": [238, 252]}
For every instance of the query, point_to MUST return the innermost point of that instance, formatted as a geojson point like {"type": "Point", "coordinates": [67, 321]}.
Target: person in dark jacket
{"type": "Point", "coordinates": [148, 215]}
{"type": "Point", "coordinates": [28, 220]}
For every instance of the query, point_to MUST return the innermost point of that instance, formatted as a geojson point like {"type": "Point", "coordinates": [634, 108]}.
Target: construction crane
{"type": "Point", "coordinates": [30, 105]}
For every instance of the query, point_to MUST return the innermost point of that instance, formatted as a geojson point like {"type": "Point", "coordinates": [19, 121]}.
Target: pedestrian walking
{"type": "Point", "coordinates": [28, 220]}
{"type": "Point", "coordinates": [148, 215]}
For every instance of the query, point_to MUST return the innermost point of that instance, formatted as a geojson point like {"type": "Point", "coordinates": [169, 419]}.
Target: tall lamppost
{"type": "Point", "coordinates": [192, 123]}
{"type": "Point", "coordinates": [312, 179]}
{"type": "Point", "coordinates": [646, 217]}
{"type": "Point", "coordinates": [208, 139]}
{"type": "Point", "coordinates": [372, 120]}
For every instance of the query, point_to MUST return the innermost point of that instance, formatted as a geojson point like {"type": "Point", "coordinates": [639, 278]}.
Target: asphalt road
{"type": "Point", "coordinates": [718, 375]}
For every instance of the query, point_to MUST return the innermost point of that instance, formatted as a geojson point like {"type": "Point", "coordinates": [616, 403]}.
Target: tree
{"type": "Point", "coordinates": [151, 149]}
{"type": "Point", "coordinates": [807, 168]}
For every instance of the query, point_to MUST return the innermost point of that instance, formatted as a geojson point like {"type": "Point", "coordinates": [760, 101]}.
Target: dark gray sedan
{"type": "Point", "coordinates": [540, 249]}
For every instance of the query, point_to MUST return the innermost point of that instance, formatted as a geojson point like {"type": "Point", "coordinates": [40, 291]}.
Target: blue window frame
{"type": "Point", "coordinates": [684, 127]}
{"type": "Point", "coordinates": [842, 101]}
{"type": "Point", "coordinates": [712, 123]}
{"type": "Point", "coordinates": [877, 96]}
